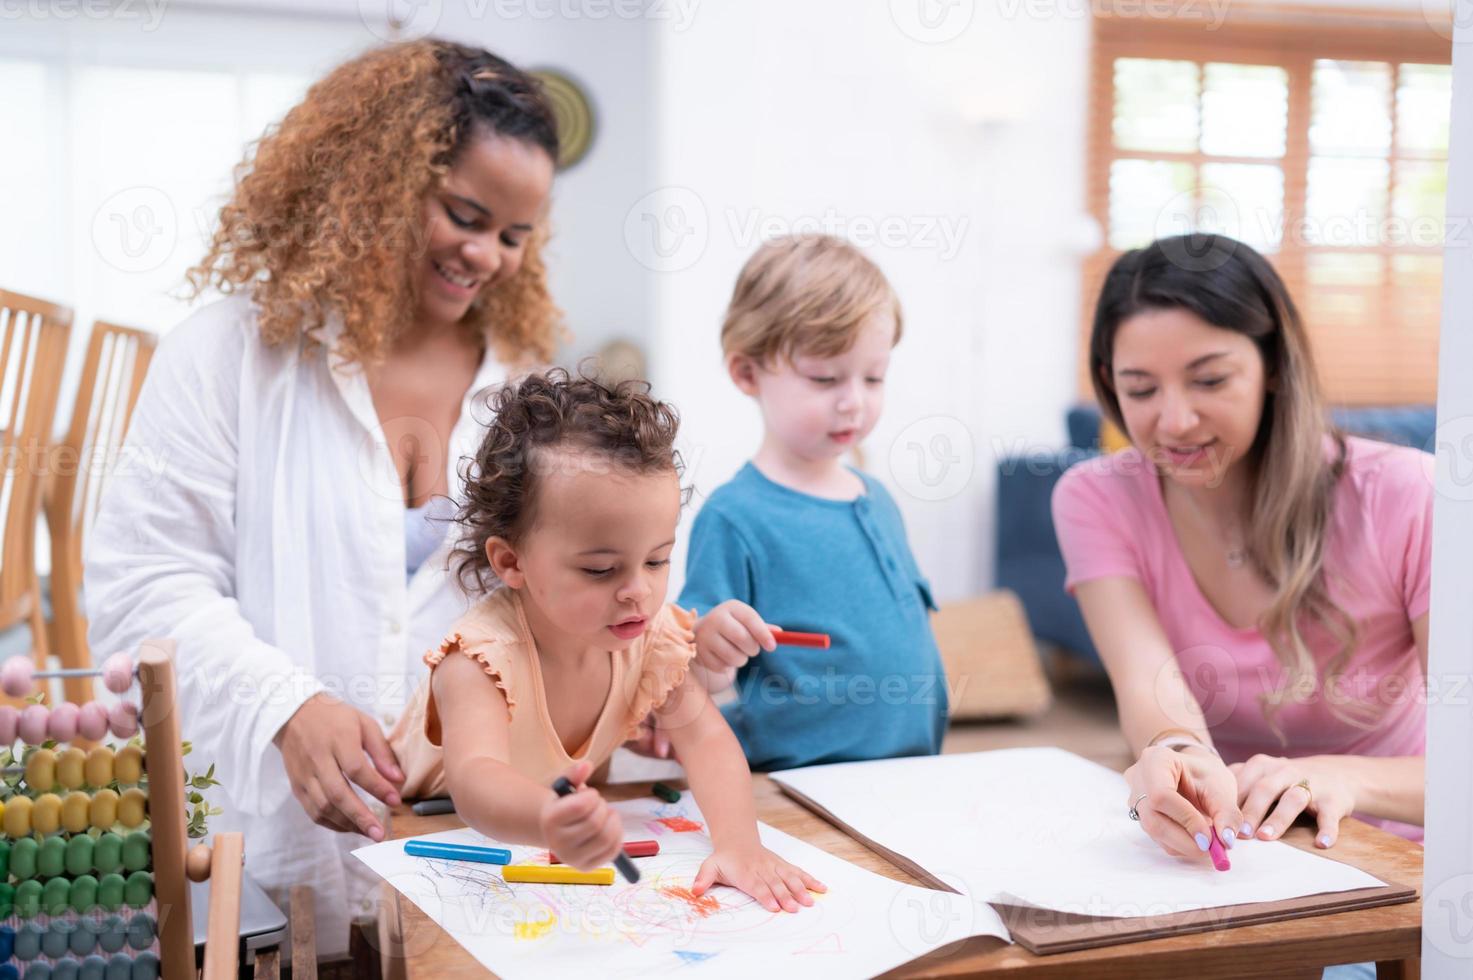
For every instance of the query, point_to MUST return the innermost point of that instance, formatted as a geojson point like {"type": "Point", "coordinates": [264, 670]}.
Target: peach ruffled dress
{"type": "Point", "coordinates": [496, 635]}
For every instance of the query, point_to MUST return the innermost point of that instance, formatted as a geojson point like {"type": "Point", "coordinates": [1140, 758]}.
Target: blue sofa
{"type": "Point", "coordinates": [1028, 559]}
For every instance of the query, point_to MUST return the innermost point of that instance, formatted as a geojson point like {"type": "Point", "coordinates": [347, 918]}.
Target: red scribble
{"type": "Point", "coordinates": [702, 905]}
{"type": "Point", "coordinates": [681, 825]}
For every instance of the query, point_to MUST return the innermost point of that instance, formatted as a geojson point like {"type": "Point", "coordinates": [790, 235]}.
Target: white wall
{"type": "Point", "coordinates": [1447, 904]}
{"type": "Point", "coordinates": [833, 111]}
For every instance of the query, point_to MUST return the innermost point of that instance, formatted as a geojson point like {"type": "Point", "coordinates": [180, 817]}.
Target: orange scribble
{"type": "Point", "coordinates": [702, 905]}
{"type": "Point", "coordinates": [681, 825]}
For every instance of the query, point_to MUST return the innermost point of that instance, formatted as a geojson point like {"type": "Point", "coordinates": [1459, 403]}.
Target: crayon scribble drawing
{"type": "Point", "coordinates": [658, 923]}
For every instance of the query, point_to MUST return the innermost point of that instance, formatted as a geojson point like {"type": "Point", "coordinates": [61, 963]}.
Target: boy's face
{"type": "Point", "coordinates": [594, 567]}
{"type": "Point", "coordinates": [818, 408]}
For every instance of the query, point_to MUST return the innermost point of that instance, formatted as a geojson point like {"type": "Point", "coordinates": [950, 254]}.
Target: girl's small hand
{"type": "Point", "coordinates": [1269, 781]}
{"type": "Point", "coordinates": [652, 740]}
{"type": "Point", "coordinates": [773, 882]}
{"type": "Point", "coordinates": [581, 827]}
{"type": "Point", "coordinates": [730, 635]}
{"type": "Point", "coordinates": [1183, 798]}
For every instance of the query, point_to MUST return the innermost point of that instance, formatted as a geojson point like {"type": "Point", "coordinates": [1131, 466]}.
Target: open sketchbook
{"type": "Point", "coordinates": [865, 924]}
{"type": "Point", "coordinates": [1043, 836]}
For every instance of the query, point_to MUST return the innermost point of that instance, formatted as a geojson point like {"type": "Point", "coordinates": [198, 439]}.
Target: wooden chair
{"type": "Point", "coordinates": [33, 341]}
{"type": "Point", "coordinates": [112, 374]}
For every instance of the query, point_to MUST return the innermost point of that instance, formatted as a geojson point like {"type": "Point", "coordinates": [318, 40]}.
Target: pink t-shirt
{"type": "Point", "coordinates": [1111, 520]}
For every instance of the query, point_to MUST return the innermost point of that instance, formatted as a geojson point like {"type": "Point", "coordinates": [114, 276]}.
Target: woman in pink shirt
{"type": "Point", "coordinates": [1256, 583]}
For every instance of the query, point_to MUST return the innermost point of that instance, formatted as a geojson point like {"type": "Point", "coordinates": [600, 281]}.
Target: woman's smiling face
{"type": "Point", "coordinates": [478, 222]}
{"type": "Point", "coordinates": [1191, 394]}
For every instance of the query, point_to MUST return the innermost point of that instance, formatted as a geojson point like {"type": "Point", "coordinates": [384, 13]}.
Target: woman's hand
{"type": "Point", "coordinates": [730, 635]}
{"type": "Point", "coordinates": [652, 740]}
{"type": "Point", "coordinates": [581, 828]}
{"type": "Point", "coordinates": [773, 882]}
{"type": "Point", "coordinates": [326, 745]}
{"type": "Point", "coordinates": [1185, 797]}
{"type": "Point", "coordinates": [1271, 797]}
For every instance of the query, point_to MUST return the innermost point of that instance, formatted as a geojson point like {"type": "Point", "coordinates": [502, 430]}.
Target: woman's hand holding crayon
{"type": "Point", "coordinates": [1185, 799]}
{"type": "Point", "coordinates": [582, 829]}
{"type": "Point", "coordinates": [773, 882]}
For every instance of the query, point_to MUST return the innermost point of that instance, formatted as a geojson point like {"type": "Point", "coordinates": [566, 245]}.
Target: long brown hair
{"type": "Point", "coordinates": [327, 211]}
{"type": "Point", "coordinates": [1292, 482]}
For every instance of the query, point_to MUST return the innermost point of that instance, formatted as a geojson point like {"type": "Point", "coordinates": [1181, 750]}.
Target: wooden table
{"type": "Point", "coordinates": [1298, 948]}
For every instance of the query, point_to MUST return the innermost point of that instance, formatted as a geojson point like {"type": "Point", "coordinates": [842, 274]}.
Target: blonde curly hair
{"type": "Point", "coordinates": [327, 213]}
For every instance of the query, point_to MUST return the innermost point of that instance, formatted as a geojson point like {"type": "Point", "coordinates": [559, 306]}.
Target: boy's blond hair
{"type": "Point", "coordinates": [804, 294]}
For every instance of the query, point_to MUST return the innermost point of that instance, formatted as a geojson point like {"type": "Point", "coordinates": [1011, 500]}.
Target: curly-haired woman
{"type": "Point", "coordinates": [380, 260]}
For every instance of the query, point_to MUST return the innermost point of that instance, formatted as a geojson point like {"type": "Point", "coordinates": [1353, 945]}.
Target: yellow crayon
{"type": "Point", "coordinates": [556, 876]}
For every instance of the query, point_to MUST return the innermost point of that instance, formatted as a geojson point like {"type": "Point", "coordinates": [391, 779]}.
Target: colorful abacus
{"type": "Point", "coordinates": [93, 842]}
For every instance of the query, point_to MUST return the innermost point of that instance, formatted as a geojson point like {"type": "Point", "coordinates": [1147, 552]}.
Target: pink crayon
{"type": "Point", "coordinates": [1219, 854]}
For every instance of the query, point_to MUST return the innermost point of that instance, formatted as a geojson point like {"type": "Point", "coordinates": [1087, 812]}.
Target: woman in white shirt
{"type": "Point", "coordinates": [382, 255]}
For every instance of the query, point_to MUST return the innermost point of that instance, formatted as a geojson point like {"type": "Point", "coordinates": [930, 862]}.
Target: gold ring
{"type": "Point", "coordinates": [1304, 785]}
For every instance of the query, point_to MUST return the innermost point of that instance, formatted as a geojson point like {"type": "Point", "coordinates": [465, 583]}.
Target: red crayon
{"type": "Point", "coordinates": [791, 639]}
{"type": "Point", "coordinates": [1219, 855]}
{"type": "Point", "coordinates": [634, 848]}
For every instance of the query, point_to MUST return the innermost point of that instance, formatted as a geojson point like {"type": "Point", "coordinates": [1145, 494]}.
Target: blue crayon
{"type": "Point", "coordinates": [457, 852]}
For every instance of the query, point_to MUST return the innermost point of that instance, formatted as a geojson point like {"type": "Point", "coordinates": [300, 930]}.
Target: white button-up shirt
{"type": "Point", "coordinates": [257, 518]}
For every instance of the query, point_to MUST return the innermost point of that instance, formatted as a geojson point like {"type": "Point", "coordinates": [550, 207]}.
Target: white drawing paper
{"type": "Point", "coordinates": [864, 925]}
{"type": "Point", "coordinates": [1046, 828]}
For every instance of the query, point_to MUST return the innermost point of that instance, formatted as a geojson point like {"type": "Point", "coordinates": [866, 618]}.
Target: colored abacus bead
{"type": "Point", "coordinates": [113, 934]}
{"type": "Point", "coordinates": [84, 899]}
{"type": "Point", "coordinates": [71, 765]}
{"type": "Point", "coordinates": [28, 899]}
{"type": "Point", "coordinates": [17, 818]}
{"type": "Point", "coordinates": [141, 931]}
{"type": "Point", "coordinates": [32, 725]}
{"type": "Point", "coordinates": [28, 940]}
{"type": "Point", "coordinates": [132, 808]}
{"type": "Point", "coordinates": [117, 673]}
{"type": "Point", "coordinates": [104, 811]}
{"type": "Point", "coordinates": [138, 850]}
{"type": "Point", "coordinates": [110, 891]}
{"type": "Point", "coordinates": [41, 771]}
{"type": "Point", "coordinates": [128, 765]}
{"type": "Point", "coordinates": [79, 850]}
{"type": "Point", "coordinates": [146, 966]}
{"type": "Point", "coordinates": [9, 719]}
{"type": "Point", "coordinates": [46, 814]}
{"type": "Point", "coordinates": [23, 858]}
{"type": "Point", "coordinates": [138, 890]}
{"type": "Point", "coordinates": [51, 858]}
{"type": "Point", "coordinates": [107, 855]}
{"type": "Point", "coordinates": [58, 938]}
{"type": "Point", "coordinates": [56, 896]}
{"type": "Point", "coordinates": [99, 767]}
{"type": "Point", "coordinates": [76, 807]}
{"type": "Point", "coordinates": [197, 863]}
{"type": "Point", "coordinates": [62, 725]}
{"type": "Point", "coordinates": [15, 676]}
{"type": "Point", "coordinates": [92, 721]}
{"type": "Point", "coordinates": [122, 719]}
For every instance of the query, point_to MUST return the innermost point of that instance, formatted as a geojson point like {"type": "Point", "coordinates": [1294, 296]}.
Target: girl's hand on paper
{"type": "Point", "coordinates": [1189, 796]}
{"type": "Point", "coordinates": [1271, 797]}
{"type": "Point", "coordinates": [730, 635]}
{"type": "Point", "coordinates": [773, 882]}
{"type": "Point", "coordinates": [581, 827]}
